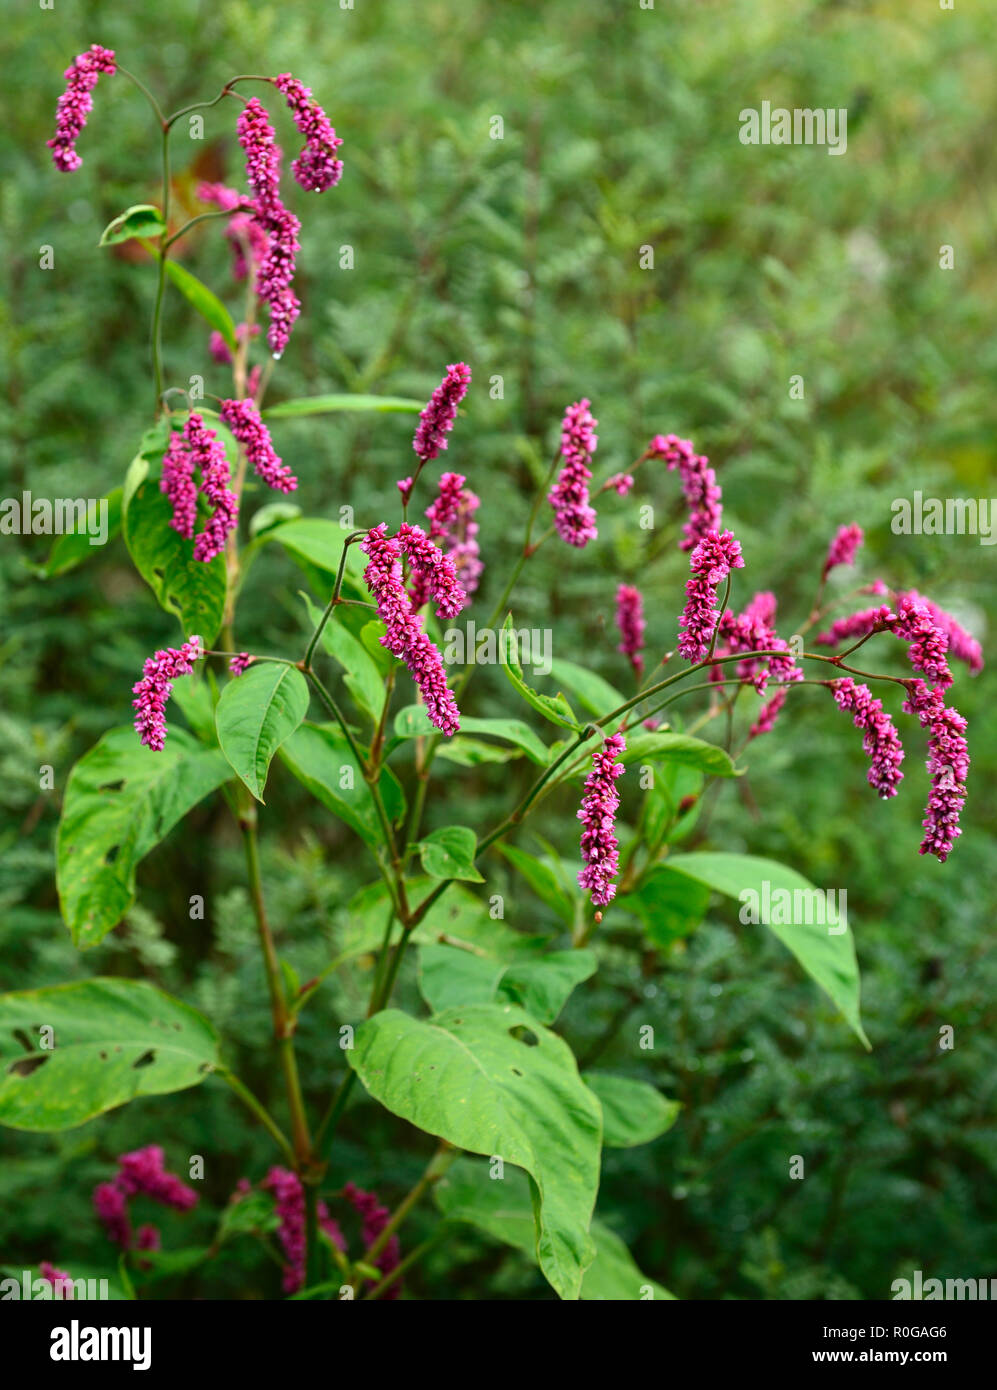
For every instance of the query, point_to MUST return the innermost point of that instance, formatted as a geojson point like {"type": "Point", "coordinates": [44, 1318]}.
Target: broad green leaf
{"type": "Point", "coordinates": [552, 707]}
{"type": "Point", "coordinates": [142, 220]}
{"type": "Point", "coordinates": [542, 880]}
{"type": "Point", "coordinates": [323, 405]}
{"type": "Point", "coordinates": [666, 746]}
{"type": "Point", "coordinates": [473, 752]}
{"type": "Point", "coordinates": [74, 546]}
{"type": "Point", "coordinates": [413, 722]}
{"type": "Point", "coordinates": [121, 800]}
{"type": "Point", "coordinates": [594, 694]}
{"type": "Point", "coordinates": [501, 1208]}
{"type": "Point", "coordinates": [113, 1040]}
{"type": "Point", "coordinates": [458, 916]}
{"type": "Point", "coordinates": [196, 698]}
{"type": "Point", "coordinates": [632, 1111]}
{"type": "Point", "coordinates": [189, 588]}
{"type": "Point", "coordinates": [451, 977]}
{"type": "Point", "coordinates": [322, 760]}
{"type": "Point", "coordinates": [540, 984]}
{"type": "Point", "coordinates": [449, 853]}
{"type": "Point", "coordinates": [470, 1076]}
{"type": "Point", "coordinates": [826, 952]}
{"type": "Point", "coordinates": [272, 514]}
{"type": "Point", "coordinates": [256, 713]}
{"type": "Point", "coordinates": [670, 904]}
{"type": "Point", "coordinates": [319, 543]}
{"type": "Point", "coordinates": [205, 301]}
{"type": "Point", "coordinates": [362, 680]}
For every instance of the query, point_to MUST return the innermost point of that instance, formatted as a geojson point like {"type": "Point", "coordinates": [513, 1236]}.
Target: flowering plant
{"type": "Point", "coordinates": [486, 1074]}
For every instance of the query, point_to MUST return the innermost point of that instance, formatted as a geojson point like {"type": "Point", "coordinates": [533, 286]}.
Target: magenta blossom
{"type": "Point", "coordinates": [436, 420]}
{"type": "Point", "coordinates": [854, 626]}
{"type": "Point", "coordinates": [620, 482]}
{"type": "Point", "coordinates": [711, 562]}
{"type": "Point", "coordinates": [289, 1199]}
{"type": "Point", "coordinates": [177, 481]}
{"type": "Point", "coordinates": [600, 847]}
{"type": "Point", "coordinates": [630, 621]}
{"type": "Point", "coordinates": [928, 645]}
{"type": "Point", "coordinates": [574, 517]}
{"type": "Point", "coordinates": [239, 663]}
{"type": "Point", "coordinates": [948, 764]}
{"type": "Point", "coordinates": [434, 573]}
{"type": "Point", "coordinates": [375, 1218]}
{"type": "Point", "coordinates": [62, 1283]}
{"type": "Point", "coordinates": [144, 1171]}
{"type": "Point", "coordinates": [843, 548]}
{"type": "Point", "coordinates": [880, 739]}
{"type": "Point", "coordinates": [452, 524]}
{"type": "Point", "coordinates": [699, 486]}
{"type": "Point", "coordinates": [769, 713]}
{"type": "Point", "coordinates": [243, 419]}
{"type": "Point", "coordinates": [156, 686]}
{"type": "Point", "coordinates": [404, 636]}
{"type": "Point", "coordinates": [208, 454]}
{"type": "Point", "coordinates": [111, 1206]}
{"type": "Point", "coordinates": [276, 271]}
{"type": "Point", "coordinates": [962, 645]}
{"type": "Point", "coordinates": [76, 103]}
{"type": "Point", "coordinates": [316, 167]}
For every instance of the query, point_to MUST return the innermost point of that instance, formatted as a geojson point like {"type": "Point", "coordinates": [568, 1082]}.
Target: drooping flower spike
{"type": "Point", "coordinates": [276, 271]}
{"type": "Point", "coordinates": [928, 645]}
{"type": "Point", "coordinates": [437, 418]}
{"type": "Point", "coordinates": [843, 548]}
{"type": "Point", "coordinates": [699, 486]}
{"type": "Point", "coordinates": [948, 764]}
{"type": "Point", "coordinates": [574, 517]}
{"type": "Point", "coordinates": [452, 524]}
{"type": "Point", "coordinates": [404, 636]}
{"type": "Point", "coordinates": [880, 739]}
{"type": "Point", "coordinates": [630, 621]}
{"type": "Point", "coordinates": [316, 167]}
{"type": "Point", "coordinates": [289, 1201]}
{"type": "Point", "coordinates": [243, 419]}
{"type": "Point", "coordinates": [600, 847]}
{"type": "Point", "coordinates": [156, 686]}
{"type": "Point", "coordinates": [375, 1217]}
{"type": "Point", "coordinates": [208, 455]}
{"type": "Point", "coordinates": [76, 103]}
{"type": "Point", "coordinates": [711, 562]}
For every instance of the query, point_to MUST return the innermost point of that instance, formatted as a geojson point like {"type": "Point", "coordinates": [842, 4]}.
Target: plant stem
{"type": "Point", "coordinates": [145, 92]}
{"type": "Point", "coordinates": [403, 1265]}
{"type": "Point", "coordinates": [435, 1169]}
{"type": "Point", "coordinates": [157, 313]}
{"type": "Point", "coordinates": [354, 536]}
{"type": "Point", "coordinates": [259, 1110]}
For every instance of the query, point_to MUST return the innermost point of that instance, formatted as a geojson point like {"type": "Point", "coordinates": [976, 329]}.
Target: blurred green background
{"type": "Point", "coordinates": [521, 255]}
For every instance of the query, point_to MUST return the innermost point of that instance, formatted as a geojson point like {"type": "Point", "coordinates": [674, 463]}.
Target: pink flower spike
{"type": "Point", "coordinates": [854, 626]}
{"type": "Point", "coordinates": [881, 740]}
{"type": "Point", "coordinates": [239, 663]}
{"type": "Point", "coordinates": [436, 568]}
{"type": "Point", "coordinates": [437, 418]}
{"type": "Point", "coordinates": [111, 1206]}
{"type": "Point", "coordinates": [243, 419]}
{"type": "Point", "coordinates": [699, 486]}
{"type": "Point", "coordinates": [76, 103]}
{"type": "Point", "coordinates": [156, 686]}
{"type": "Point", "coordinates": [962, 645]}
{"type": "Point", "coordinates": [843, 548]}
{"type": "Point", "coordinates": [630, 621]}
{"type": "Point", "coordinates": [914, 624]}
{"type": "Point", "coordinates": [600, 847]}
{"type": "Point", "coordinates": [316, 167]}
{"type": "Point", "coordinates": [143, 1171]}
{"type": "Point", "coordinates": [208, 454]}
{"type": "Point", "coordinates": [375, 1217]}
{"type": "Point", "coordinates": [177, 481]}
{"type": "Point", "coordinates": [276, 271]}
{"type": "Point", "coordinates": [948, 765]}
{"type": "Point", "coordinates": [574, 517]}
{"type": "Point", "coordinates": [711, 562]}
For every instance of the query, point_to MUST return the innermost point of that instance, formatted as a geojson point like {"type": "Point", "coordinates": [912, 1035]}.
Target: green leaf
{"type": "Point", "coordinates": [552, 707]}
{"type": "Point", "coordinates": [142, 220]}
{"type": "Point", "coordinates": [363, 680]}
{"type": "Point", "coordinates": [121, 800]}
{"type": "Point", "coordinates": [196, 698]}
{"type": "Point", "coordinates": [470, 1076]}
{"type": "Point", "coordinates": [670, 904]}
{"type": "Point", "coordinates": [542, 880]}
{"type": "Point", "coordinates": [205, 301]}
{"type": "Point", "coordinates": [247, 1215]}
{"type": "Point", "coordinates": [113, 1040]}
{"type": "Point", "coordinates": [458, 916]}
{"type": "Point", "coordinates": [473, 752]}
{"type": "Point", "coordinates": [74, 546]}
{"type": "Point", "coordinates": [632, 1111]}
{"type": "Point", "coordinates": [679, 748]}
{"type": "Point", "coordinates": [540, 984]}
{"type": "Point", "coordinates": [320, 756]}
{"type": "Point", "coordinates": [256, 713]}
{"type": "Point", "coordinates": [272, 514]}
{"type": "Point", "coordinates": [450, 977]}
{"type": "Point", "coordinates": [322, 405]}
{"type": "Point", "coordinates": [501, 1207]}
{"type": "Point", "coordinates": [413, 722]}
{"type": "Point", "coordinates": [594, 694]}
{"type": "Point", "coordinates": [828, 957]}
{"type": "Point", "coordinates": [449, 853]}
{"type": "Point", "coordinates": [317, 542]}
{"type": "Point", "coordinates": [189, 588]}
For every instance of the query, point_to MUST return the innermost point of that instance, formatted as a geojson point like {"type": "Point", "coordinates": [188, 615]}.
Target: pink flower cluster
{"type": "Point", "coordinates": [156, 686]}
{"type": "Point", "coordinates": [404, 636]}
{"type": "Point", "coordinates": [375, 1218]}
{"type": "Point", "coordinates": [843, 548]}
{"type": "Point", "coordinates": [854, 626]}
{"type": "Point", "coordinates": [243, 419]}
{"type": "Point", "coordinates": [199, 448]}
{"type": "Point", "coordinates": [630, 621]}
{"type": "Point", "coordinates": [246, 236]}
{"type": "Point", "coordinates": [316, 167]}
{"type": "Point", "coordinates": [451, 522]}
{"type": "Point", "coordinates": [289, 1199]}
{"type": "Point", "coordinates": [574, 517]}
{"type": "Point", "coordinates": [948, 765]}
{"type": "Point", "coordinates": [276, 270]}
{"type": "Point", "coordinates": [699, 485]}
{"type": "Point", "coordinates": [711, 562]}
{"type": "Point", "coordinates": [600, 847]}
{"type": "Point", "coordinates": [437, 418]}
{"type": "Point", "coordinates": [139, 1173]}
{"type": "Point", "coordinates": [913, 623]}
{"type": "Point", "coordinates": [62, 1283]}
{"type": "Point", "coordinates": [239, 663]}
{"type": "Point", "coordinates": [76, 103]}
{"type": "Point", "coordinates": [880, 740]}
{"type": "Point", "coordinates": [962, 645]}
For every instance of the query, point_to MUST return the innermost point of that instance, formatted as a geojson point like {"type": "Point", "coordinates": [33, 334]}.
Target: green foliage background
{"type": "Point", "coordinates": [521, 256]}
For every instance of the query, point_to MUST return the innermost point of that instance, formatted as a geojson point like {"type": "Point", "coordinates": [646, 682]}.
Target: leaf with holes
{"type": "Point", "coordinates": [256, 713]}
{"type": "Point", "coordinates": [121, 800]}
{"type": "Point", "coordinates": [111, 1040]}
{"type": "Point", "coordinates": [632, 1111]}
{"type": "Point", "coordinates": [470, 1076]}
